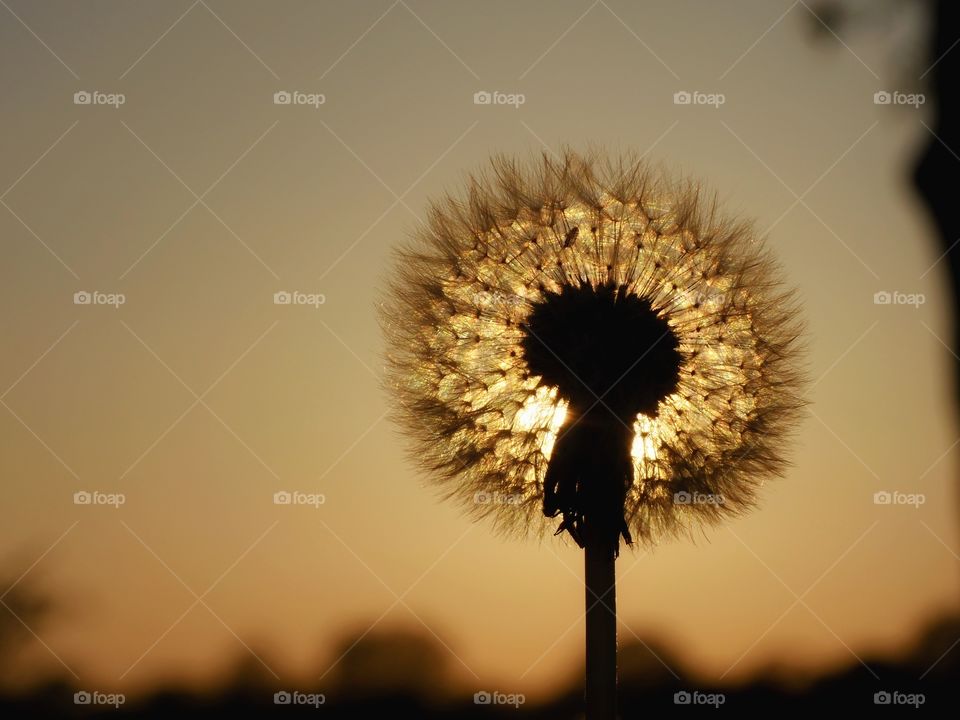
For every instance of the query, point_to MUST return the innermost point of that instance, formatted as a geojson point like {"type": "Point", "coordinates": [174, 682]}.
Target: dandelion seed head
{"type": "Point", "coordinates": [575, 292]}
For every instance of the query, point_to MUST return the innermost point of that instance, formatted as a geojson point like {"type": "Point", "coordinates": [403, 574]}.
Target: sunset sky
{"type": "Point", "coordinates": [198, 198]}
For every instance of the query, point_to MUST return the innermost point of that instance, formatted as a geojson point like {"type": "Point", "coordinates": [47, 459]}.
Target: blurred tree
{"type": "Point", "coordinates": [392, 662]}
{"type": "Point", "coordinates": [24, 608]}
{"type": "Point", "coordinates": [936, 171]}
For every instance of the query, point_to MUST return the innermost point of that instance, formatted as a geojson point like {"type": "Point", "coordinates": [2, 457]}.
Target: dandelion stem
{"type": "Point", "coordinates": [601, 603]}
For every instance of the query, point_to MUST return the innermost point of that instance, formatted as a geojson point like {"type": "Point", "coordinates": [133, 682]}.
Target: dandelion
{"type": "Point", "coordinates": [585, 345]}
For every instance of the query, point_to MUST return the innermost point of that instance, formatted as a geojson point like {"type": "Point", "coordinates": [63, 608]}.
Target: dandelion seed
{"type": "Point", "coordinates": [597, 343]}
{"type": "Point", "coordinates": [625, 304]}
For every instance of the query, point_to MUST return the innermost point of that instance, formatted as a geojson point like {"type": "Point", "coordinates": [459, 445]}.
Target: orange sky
{"type": "Point", "coordinates": [198, 198]}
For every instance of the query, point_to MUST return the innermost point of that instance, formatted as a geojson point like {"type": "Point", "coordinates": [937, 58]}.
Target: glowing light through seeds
{"type": "Point", "coordinates": [462, 294]}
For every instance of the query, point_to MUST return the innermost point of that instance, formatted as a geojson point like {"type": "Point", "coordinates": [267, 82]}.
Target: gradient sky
{"type": "Point", "coordinates": [199, 198]}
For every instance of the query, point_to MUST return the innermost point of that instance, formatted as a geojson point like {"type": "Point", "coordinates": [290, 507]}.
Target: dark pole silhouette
{"type": "Point", "coordinates": [611, 356]}
{"type": "Point", "coordinates": [937, 169]}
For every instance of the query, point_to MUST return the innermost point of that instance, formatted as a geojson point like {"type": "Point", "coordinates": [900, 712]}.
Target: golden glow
{"type": "Point", "coordinates": [542, 409]}
{"type": "Point", "coordinates": [456, 328]}
{"type": "Point", "coordinates": [644, 448]}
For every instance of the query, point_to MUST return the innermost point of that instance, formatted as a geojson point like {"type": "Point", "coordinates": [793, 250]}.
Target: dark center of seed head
{"type": "Point", "coordinates": [611, 357]}
{"type": "Point", "coordinates": [603, 342]}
